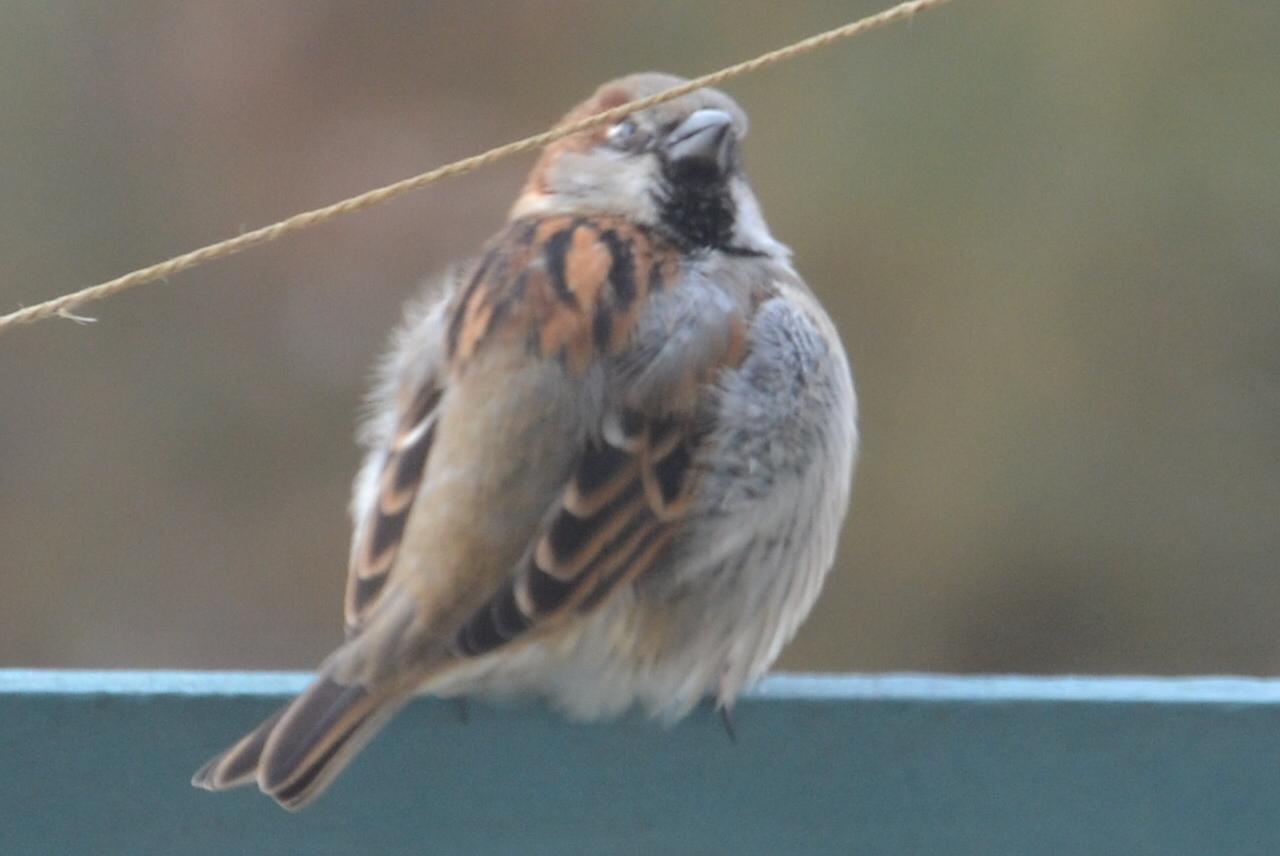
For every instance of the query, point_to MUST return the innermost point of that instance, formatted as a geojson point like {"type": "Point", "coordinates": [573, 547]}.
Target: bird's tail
{"type": "Point", "coordinates": [296, 752]}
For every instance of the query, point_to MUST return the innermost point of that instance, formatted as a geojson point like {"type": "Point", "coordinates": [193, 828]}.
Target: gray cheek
{"type": "Point", "coordinates": [608, 182]}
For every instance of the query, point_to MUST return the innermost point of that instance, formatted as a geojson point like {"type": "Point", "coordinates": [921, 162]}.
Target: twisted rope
{"type": "Point", "coordinates": [65, 305]}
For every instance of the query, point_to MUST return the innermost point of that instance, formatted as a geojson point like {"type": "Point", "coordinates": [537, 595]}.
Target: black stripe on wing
{"type": "Point", "coordinates": [618, 512]}
{"type": "Point", "coordinates": [397, 487]}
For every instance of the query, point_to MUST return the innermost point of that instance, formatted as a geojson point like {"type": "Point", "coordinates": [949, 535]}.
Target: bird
{"type": "Point", "coordinates": [607, 459]}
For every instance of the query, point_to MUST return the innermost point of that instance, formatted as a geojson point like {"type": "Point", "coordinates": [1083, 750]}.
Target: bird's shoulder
{"type": "Point", "coordinates": [568, 287]}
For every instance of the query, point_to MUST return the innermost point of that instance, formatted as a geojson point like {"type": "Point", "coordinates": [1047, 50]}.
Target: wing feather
{"type": "Point", "coordinates": [577, 292]}
{"type": "Point", "coordinates": [397, 486]}
{"type": "Point", "coordinates": [622, 506]}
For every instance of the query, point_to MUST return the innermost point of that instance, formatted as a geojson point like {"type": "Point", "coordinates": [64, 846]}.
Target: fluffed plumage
{"type": "Point", "coordinates": [607, 460]}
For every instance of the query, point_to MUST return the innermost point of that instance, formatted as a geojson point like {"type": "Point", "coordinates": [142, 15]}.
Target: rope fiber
{"type": "Point", "coordinates": [65, 305]}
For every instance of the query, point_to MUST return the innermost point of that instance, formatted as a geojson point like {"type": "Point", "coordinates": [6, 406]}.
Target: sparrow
{"type": "Point", "coordinates": [607, 460]}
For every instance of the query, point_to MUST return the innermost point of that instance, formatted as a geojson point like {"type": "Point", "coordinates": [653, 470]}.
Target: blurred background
{"type": "Point", "coordinates": [1049, 234]}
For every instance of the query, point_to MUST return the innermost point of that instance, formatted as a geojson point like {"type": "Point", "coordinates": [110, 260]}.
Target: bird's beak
{"type": "Point", "coordinates": [704, 137]}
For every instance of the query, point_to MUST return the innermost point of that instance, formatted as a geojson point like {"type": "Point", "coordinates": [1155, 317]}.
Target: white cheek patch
{"type": "Point", "coordinates": [750, 230]}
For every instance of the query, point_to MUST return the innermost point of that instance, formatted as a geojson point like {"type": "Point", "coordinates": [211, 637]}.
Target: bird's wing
{"type": "Point", "coordinates": [379, 531]}
{"type": "Point", "coordinates": [577, 292]}
{"type": "Point", "coordinates": [550, 457]}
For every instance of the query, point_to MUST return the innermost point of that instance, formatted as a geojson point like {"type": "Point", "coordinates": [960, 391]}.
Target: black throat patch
{"type": "Point", "coordinates": [696, 206]}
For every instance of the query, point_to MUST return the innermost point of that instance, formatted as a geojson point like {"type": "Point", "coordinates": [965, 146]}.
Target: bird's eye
{"type": "Point", "coordinates": [623, 135]}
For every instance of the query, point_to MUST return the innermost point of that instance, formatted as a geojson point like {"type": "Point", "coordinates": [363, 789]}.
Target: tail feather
{"type": "Point", "coordinates": [295, 753]}
{"type": "Point", "coordinates": [319, 733]}
{"type": "Point", "coordinates": [239, 764]}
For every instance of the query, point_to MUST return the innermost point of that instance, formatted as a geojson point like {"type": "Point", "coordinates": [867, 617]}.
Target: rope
{"type": "Point", "coordinates": [65, 305]}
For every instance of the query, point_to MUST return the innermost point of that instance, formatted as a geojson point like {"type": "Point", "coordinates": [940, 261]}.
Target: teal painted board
{"type": "Point", "coordinates": [99, 762]}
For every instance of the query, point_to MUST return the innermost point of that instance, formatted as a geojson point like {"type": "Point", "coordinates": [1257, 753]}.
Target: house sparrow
{"type": "Point", "coordinates": [607, 461]}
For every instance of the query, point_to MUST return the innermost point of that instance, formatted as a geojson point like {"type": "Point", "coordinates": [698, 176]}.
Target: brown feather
{"type": "Point", "coordinates": [609, 528]}
{"type": "Point", "coordinates": [296, 752]}
{"type": "Point", "coordinates": [319, 732]}
{"type": "Point", "coordinates": [237, 765]}
{"type": "Point", "coordinates": [580, 288]}
{"type": "Point", "coordinates": [398, 484]}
